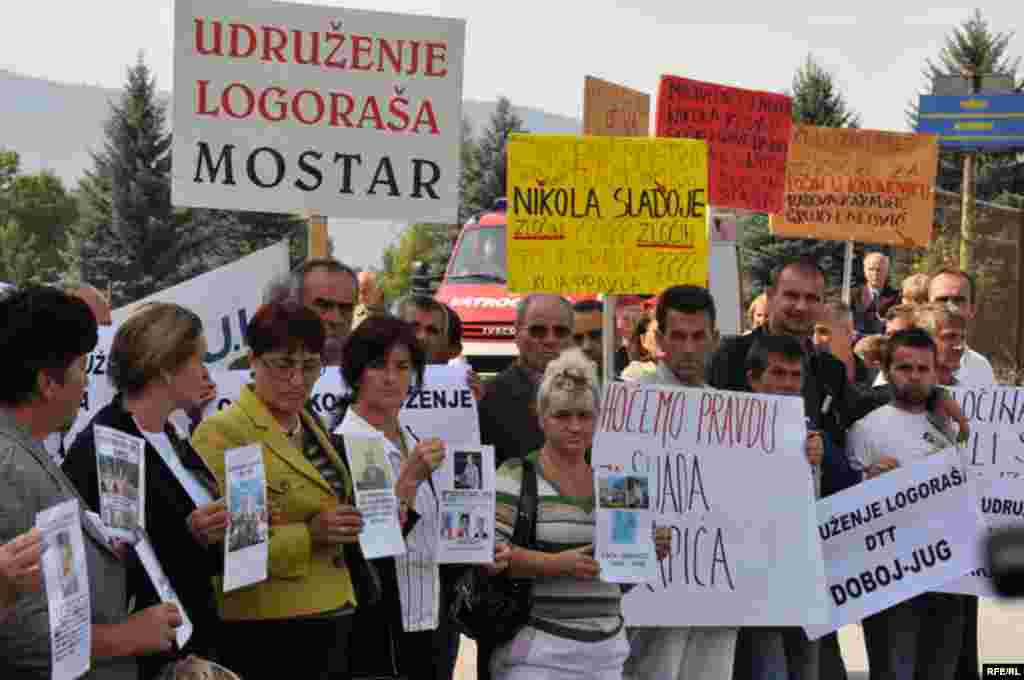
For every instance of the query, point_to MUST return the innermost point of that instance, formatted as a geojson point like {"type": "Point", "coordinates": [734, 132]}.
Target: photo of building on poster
{"type": "Point", "coordinates": [625, 544]}
{"type": "Point", "coordinates": [249, 520]}
{"type": "Point", "coordinates": [119, 482]}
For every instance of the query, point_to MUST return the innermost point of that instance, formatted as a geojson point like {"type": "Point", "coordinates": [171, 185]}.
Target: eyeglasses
{"type": "Point", "coordinates": [284, 369]}
{"type": "Point", "coordinates": [539, 332]}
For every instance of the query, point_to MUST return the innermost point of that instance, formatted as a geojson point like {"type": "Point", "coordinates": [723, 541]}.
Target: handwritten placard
{"type": "Point", "coordinates": [862, 185]}
{"type": "Point", "coordinates": [747, 133]}
{"type": "Point", "coordinates": [725, 526]}
{"type": "Point", "coordinates": [609, 215]}
{"type": "Point", "coordinates": [611, 109]}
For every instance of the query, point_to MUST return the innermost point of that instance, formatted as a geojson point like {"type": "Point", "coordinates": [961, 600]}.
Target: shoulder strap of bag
{"type": "Point", "coordinates": [526, 509]}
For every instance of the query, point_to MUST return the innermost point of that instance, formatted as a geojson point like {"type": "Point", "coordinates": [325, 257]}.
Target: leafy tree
{"type": "Point", "coordinates": [427, 243]}
{"type": "Point", "coordinates": [468, 150]}
{"type": "Point", "coordinates": [485, 176]}
{"type": "Point", "coordinates": [816, 101]}
{"type": "Point", "coordinates": [20, 261]}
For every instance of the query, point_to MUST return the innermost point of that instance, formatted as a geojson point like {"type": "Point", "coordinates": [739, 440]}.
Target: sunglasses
{"type": "Point", "coordinates": [594, 335]}
{"type": "Point", "coordinates": [539, 332]}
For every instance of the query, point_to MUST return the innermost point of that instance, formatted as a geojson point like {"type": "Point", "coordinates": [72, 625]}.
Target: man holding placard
{"type": "Point", "coordinates": [687, 335]}
{"type": "Point", "coordinates": [922, 636]}
{"type": "Point", "coordinates": [775, 365]}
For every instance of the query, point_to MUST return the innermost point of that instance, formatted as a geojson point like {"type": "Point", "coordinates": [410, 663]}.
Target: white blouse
{"type": "Point", "coordinates": [419, 581]}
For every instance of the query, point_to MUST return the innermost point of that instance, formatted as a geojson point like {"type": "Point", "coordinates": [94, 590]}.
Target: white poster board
{"type": "Point", "coordinates": [444, 408]}
{"type": "Point", "coordinates": [729, 475]}
{"type": "Point", "coordinates": [903, 533]}
{"type": "Point", "coordinates": [225, 299]}
{"type": "Point", "coordinates": [247, 543]}
{"type": "Point", "coordinates": [466, 483]}
{"type": "Point", "coordinates": [284, 107]}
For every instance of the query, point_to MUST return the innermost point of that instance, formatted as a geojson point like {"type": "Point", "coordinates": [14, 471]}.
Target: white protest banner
{"type": "Point", "coordinates": [98, 393]}
{"type": "Point", "coordinates": [246, 546]}
{"type": "Point", "coordinates": [66, 576]}
{"type": "Point", "coordinates": [224, 299]}
{"type": "Point", "coordinates": [996, 416]}
{"type": "Point", "coordinates": [625, 544]}
{"type": "Point", "coordinates": [466, 481]}
{"type": "Point", "coordinates": [121, 470]}
{"type": "Point", "coordinates": [162, 585]}
{"type": "Point", "coordinates": [375, 496]}
{"type": "Point", "coordinates": [288, 107]}
{"type": "Point", "coordinates": [888, 539]}
{"type": "Point", "coordinates": [444, 408]}
{"type": "Point", "coordinates": [729, 475]}
{"type": "Point", "coordinates": [1002, 506]}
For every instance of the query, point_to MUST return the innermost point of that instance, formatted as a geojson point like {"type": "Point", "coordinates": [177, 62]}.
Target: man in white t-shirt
{"type": "Point", "coordinates": [920, 637]}
{"type": "Point", "coordinates": [956, 288]}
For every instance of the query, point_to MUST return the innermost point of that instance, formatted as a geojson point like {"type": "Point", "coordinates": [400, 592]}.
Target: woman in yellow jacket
{"type": "Point", "coordinates": [299, 619]}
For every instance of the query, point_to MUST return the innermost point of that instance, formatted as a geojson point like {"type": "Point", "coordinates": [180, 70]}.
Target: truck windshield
{"type": "Point", "coordinates": [480, 255]}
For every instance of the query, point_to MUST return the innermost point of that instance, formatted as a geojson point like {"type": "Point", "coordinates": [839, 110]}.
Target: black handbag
{"type": "Point", "coordinates": [492, 609]}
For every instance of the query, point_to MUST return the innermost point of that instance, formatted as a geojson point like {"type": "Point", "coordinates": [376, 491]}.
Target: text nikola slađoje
{"type": "Point", "coordinates": [848, 521]}
{"type": "Point", "coordinates": [567, 202]}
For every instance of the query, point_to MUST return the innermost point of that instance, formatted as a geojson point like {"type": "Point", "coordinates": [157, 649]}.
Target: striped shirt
{"type": "Point", "coordinates": [315, 454]}
{"type": "Point", "coordinates": [563, 523]}
{"type": "Point", "coordinates": [419, 579]}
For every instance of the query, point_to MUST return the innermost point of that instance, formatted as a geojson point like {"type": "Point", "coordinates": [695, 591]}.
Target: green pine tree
{"type": "Point", "coordinates": [485, 176]}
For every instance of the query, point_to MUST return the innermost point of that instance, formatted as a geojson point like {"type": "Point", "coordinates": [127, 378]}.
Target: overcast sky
{"type": "Point", "coordinates": [537, 52]}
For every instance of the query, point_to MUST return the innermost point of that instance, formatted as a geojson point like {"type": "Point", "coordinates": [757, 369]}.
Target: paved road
{"type": "Point", "coordinates": [1001, 635]}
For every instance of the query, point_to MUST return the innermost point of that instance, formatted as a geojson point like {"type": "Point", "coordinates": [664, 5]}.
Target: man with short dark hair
{"type": "Point", "coordinates": [900, 318]}
{"type": "Point", "coordinates": [775, 365]}
{"type": "Point", "coordinates": [429, 320]}
{"type": "Point", "coordinates": [687, 335]}
{"type": "Point", "coordinates": [508, 415]}
{"type": "Point", "coordinates": [588, 334]}
{"type": "Point", "coordinates": [921, 637]}
{"type": "Point", "coordinates": [45, 336]}
{"type": "Point", "coordinates": [951, 286]}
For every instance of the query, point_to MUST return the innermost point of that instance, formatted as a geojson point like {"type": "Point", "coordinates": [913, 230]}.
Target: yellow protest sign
{"type": "Point", "coordinates": [868, 186]}
{"type": "Point", "coordinates": [613, 215]}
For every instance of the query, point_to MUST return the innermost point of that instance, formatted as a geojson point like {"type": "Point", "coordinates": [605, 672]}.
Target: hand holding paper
{"type": "Point", "coordinates": [152, 629]}
{"type": "Point", "coordinates": [578, 563]}
{"type": "Point", "coordinates": [336, 525]}
{"type": "Point", "coordinates": [21, 567]}
{"type": "Point", "coordinates": [209, 523]}
{"type": "Point", "coordinates": [815, 448]}
{"type": "Point", "coordinates": [662, 541]}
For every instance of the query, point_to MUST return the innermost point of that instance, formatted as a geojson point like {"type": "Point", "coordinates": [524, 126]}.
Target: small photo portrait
{"type": "Point", "coordinates": [612, 491]}
{"type": "Point", "coordinates": [371, 469]}
{"type": "Point", "coordinates": [625, 526]}
{"type": "Point", "coordinates": [468, 470]}
{"type": "Point", "coordinates": [637, 497]}
{"type": "Point", "coordinates": [249, 525]}
{"type": "Point", "coordinates": [68, 576]}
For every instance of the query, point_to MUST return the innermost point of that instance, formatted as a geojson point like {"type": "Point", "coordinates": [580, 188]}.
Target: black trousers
{"type": "Point", "coordinates": [293, 648]}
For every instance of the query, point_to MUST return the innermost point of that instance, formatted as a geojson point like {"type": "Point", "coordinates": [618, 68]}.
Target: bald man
{"type": "Point", "coordinates": [371, 298]}
{"type": "Point", "coordinates": [96, 301]}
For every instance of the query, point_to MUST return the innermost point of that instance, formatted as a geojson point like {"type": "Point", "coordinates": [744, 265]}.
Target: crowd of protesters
{"type": "Point", "coordinates": [871, 374]}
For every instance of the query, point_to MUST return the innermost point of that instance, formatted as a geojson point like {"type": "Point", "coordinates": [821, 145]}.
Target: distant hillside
{"type": "Point", "coordinates": [55, 126]}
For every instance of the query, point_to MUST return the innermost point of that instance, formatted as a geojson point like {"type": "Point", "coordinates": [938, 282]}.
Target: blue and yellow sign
{"type": "Point", "coordinates": [984, 122]}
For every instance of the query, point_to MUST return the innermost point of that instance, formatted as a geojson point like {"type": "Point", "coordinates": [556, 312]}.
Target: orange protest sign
{"type": "Point", "coordinates": [868, 186]}
{"type": "Point", "coordinates": [610, 109]}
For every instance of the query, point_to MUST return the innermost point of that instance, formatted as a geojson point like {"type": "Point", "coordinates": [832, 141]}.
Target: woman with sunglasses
{"type": "Point", "coordinates": [303, 611]}
{"type": "Point", "coordinates": [156, 365]}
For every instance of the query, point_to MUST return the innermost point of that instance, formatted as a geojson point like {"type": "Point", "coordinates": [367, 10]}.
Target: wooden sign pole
{"type": "Point", "coordinates": [317, 237]}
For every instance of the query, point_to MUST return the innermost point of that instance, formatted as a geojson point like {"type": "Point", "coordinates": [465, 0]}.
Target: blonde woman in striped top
{"type": "Point", "coordinates": [576, 626]}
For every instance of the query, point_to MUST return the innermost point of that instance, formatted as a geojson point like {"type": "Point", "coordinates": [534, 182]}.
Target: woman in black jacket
{"type": "Point", "coordinates": [156, 365]}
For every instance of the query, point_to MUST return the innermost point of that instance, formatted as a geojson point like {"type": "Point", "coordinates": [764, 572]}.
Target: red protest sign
{"type": "Point", "coordinates": [747, 134]}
